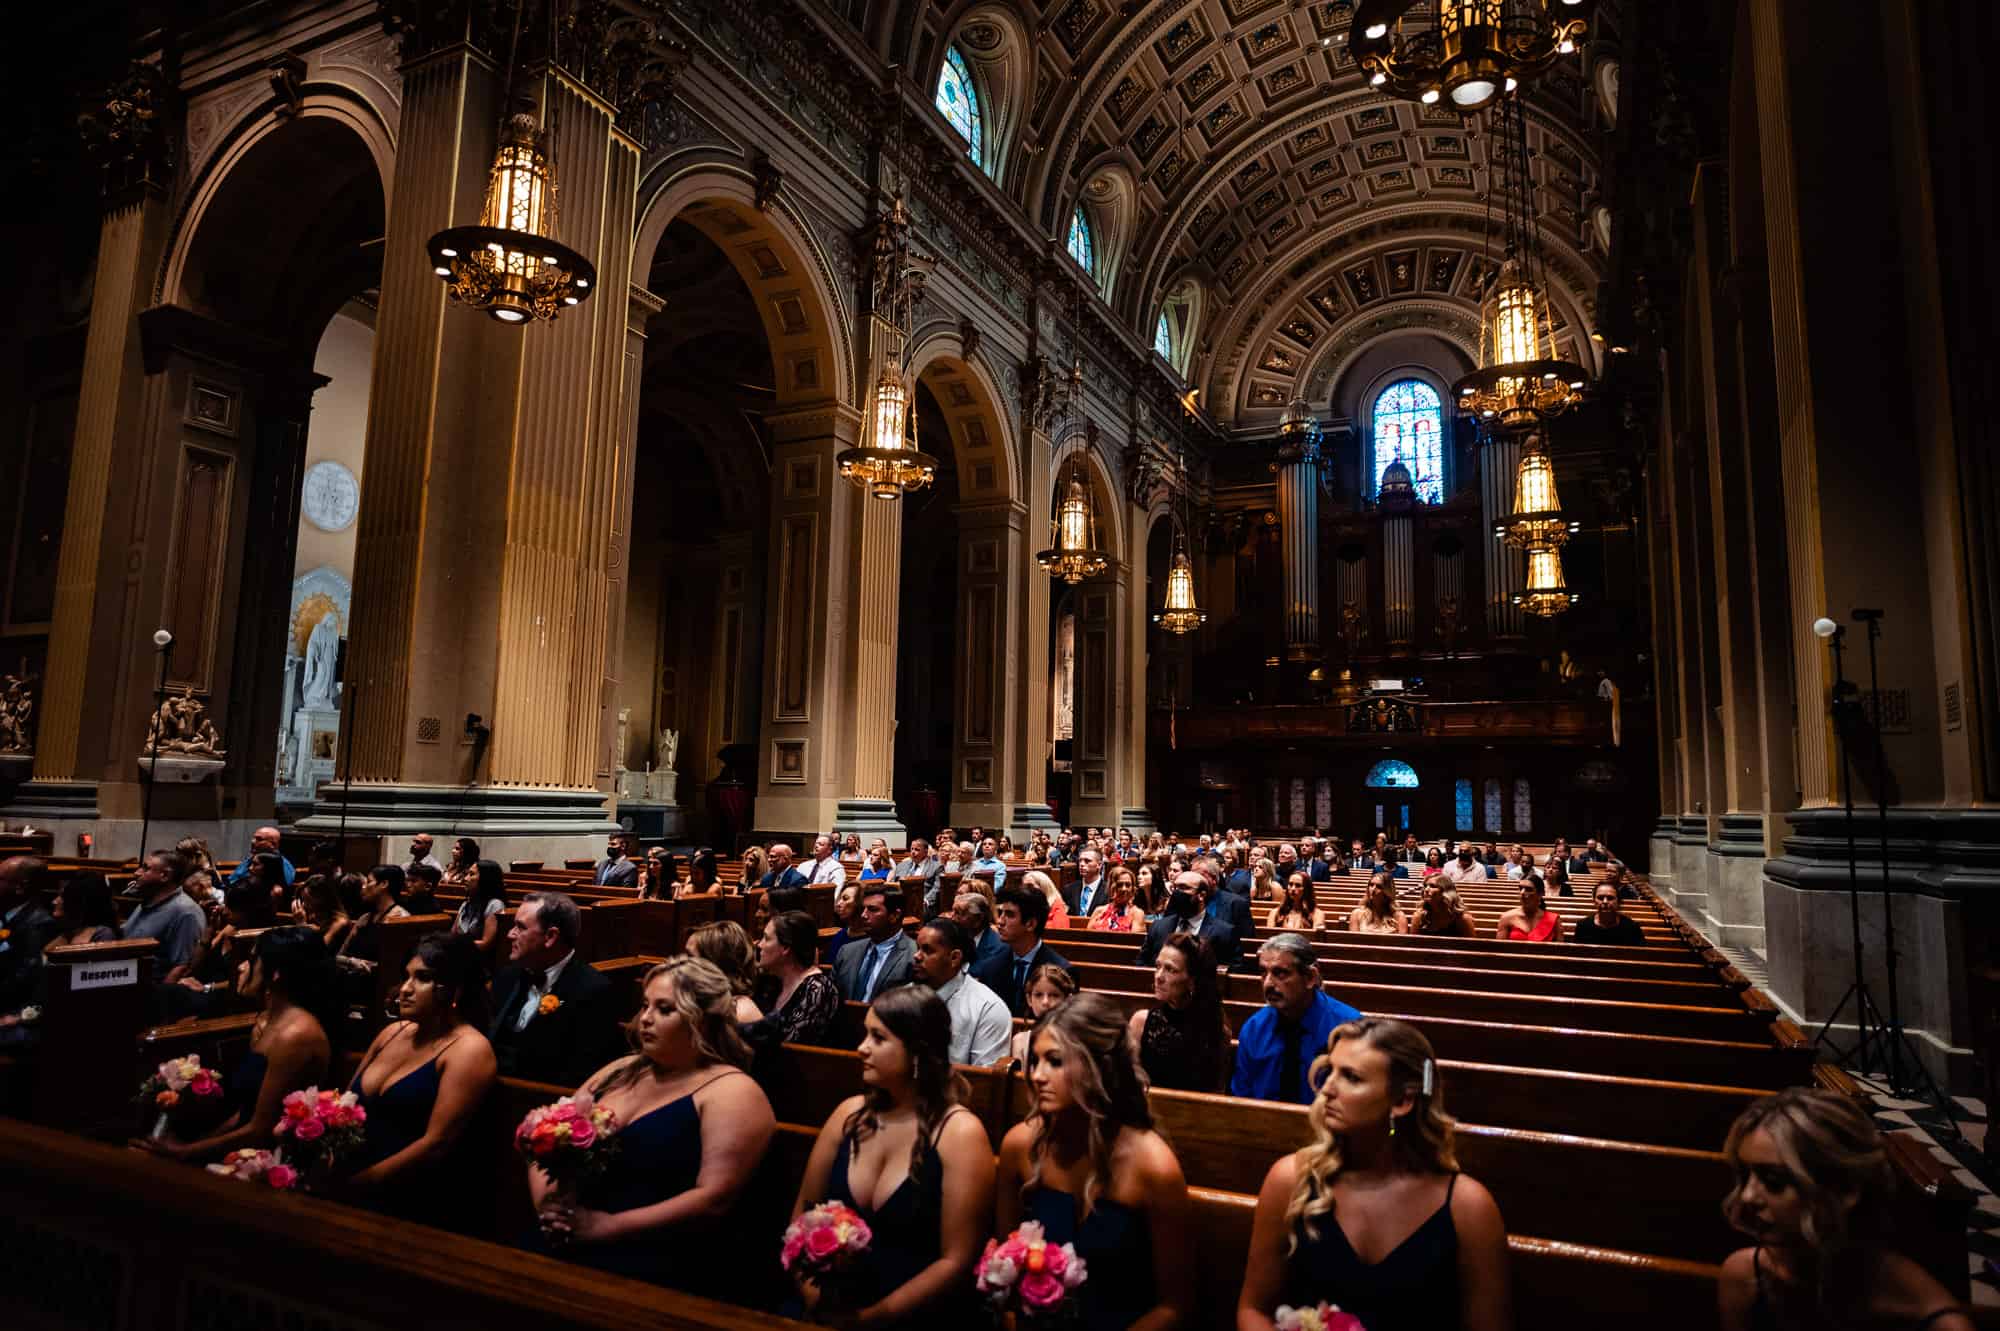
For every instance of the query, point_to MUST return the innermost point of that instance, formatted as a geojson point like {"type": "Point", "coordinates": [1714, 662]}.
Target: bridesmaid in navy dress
{"type": "Point", "coordinates": [693, 1126]}
{"type": "Point", "coordinates": [917, 1167]}
{"type": "Point", "coordinates": [421, 1082]}
{"type": "Point", "coordinates": [1374, 1216]}
{"type": "Point", "coordinates": [1087, 1164]}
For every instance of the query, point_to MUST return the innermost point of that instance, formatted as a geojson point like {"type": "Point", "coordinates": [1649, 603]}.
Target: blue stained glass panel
{"type": "Point", "coordinates": [1409, 428]}
{"type": "Point", "coordinates": [1524, 807]}
{"type": "Point", "coordinates": [1493, 804]}
{"type": "Point", "coordinates": [1163, 339]}
{"type": "Point", "coordinates": [959, 101]}
{"type": "Point", "coordinates": [1462, 795]}
{"type": "Point", "coordinates": [1082, 247]}
{"type": "Point", "coordinates": [1392, 774]}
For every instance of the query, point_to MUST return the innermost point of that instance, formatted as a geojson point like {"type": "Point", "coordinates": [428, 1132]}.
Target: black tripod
{"type": "Point", "coordinates": [1879, 1043]}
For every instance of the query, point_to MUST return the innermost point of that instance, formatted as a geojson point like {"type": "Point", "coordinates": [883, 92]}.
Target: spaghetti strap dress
{"type": "Point", "coordinates": [1117, 1253]}
{"type": "Point", "coordinates": [438, 1191]}
{"type": "Point", "coordinates": [1413, 1288]}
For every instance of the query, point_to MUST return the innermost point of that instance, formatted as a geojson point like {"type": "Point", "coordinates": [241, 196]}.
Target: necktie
{"type": "Point", "coordinates": [868, 968]}
{"type": "Point", "coordinates": [1289, 1079]}
{"type": "Point", "coordinates": [1020, 978]}
{"type": "Point", "coordinates": [1089, 891]}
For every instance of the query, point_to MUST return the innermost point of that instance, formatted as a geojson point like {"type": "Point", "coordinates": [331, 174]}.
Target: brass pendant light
{"type": "Point", "coordinates": [1073, 554]}
{"type": "Point", "coordinates": [1463, 53]}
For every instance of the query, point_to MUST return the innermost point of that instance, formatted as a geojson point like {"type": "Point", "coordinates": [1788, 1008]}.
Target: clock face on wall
{"type": "Point", "coordinates": [332, 496]}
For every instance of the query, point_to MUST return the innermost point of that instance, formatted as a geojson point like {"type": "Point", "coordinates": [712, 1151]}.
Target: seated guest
{"type": "Point", "coordinates": [1441, 914]}
{"type": "Point", "coordinates": [1187, 910]}
{"type": "Point", "coordinates": [1518, 866]}
{"type": "Point", "coordinates": [755, 864]}
{"type": "Point", "coordinates": [724, 945]}
{"type": "Point", "coordinates": [1529, 922]}
{"type": "Point", "coordinates": [1146, 888]}
{"type": "Point", "coordinates": [166, 914]}
{"type": "Point", "coordinates": [1037, 881]}
{"type": "Point", "coordinates": [1089, 891]}
{"type": "Point", "coordinates": [1182, 1041]}
{"type": "Point", "coordinates": [1018, 917]}
{"type": "Point", "coordinates": [319, 905]}
{"type": "Point", "coordinates": [421, 888]}
{"type": "Point", "coordinates": [1048, 987]}
{"type": "Point", "coordinates": [881, 958]}
{"type": "Point", "coordinates": [200, 887]}
{"type": "Point", "coordinates": [218, 957]}
{"type": "Point", "coordinates": [1559, 852]}
{"type": "Point", "coordinates": [264, 841]}
{"type": "Point", "coordinates": [1359, 856]}
{"type": "Point", "coordinates": [28, 925]}
{"type": "Point", "coordinates": [1813, 1188]}
{"type": "Point", "coordinates": [420, 853]}
{"type": "Point", "coordinates": [1228, 907]}
{"type": "Point", "coordinates": [1492, 858]}
{"type": "Point", "coordinates": [1466, 868]}
{"type": "Point", "coordinates": [1621, 879]}
{"type": "Point", "coordinates": [659, 879]}
{"type": "Point", "coordinates": [1374, 1215]}
{"type": "Point", "coordinates": [781, 873]}
{"type": "Point", "coordinates": [1556, 879]}
{"type": "Point", "coordinates": [421, 1081]}
{"type": "Point", "coordinates": [194, 850]}
{"type": "Point", "coordinates": [553, 1014]}
{"type": "Point", "coordinates": [1277, 1045]}
{"type": "Point", "coordinates": [914, 1164]}
{"type": "Point", "coordinates": [877, 863]}
{"type": "Point", "coordinates": [1593, 853]}
{"type": "Point", "coordinates": [692, 1128]}
{"type": "Point", "coordinates": [979, 1023]}
{"type": "Point", "coordinates": [704, 873]}
{"type": "Point", "coordinates": [850, 847]}
{"type": "Point", "coordinates": [1377, 913]}
{"type": "Point", "coordinates": [1120, 914]}
{"type": "Point", "coordinates": [975, 912]}
{"type": "Point", "coordinates": [291, 978]}
{"type": "Point", "coordinates": [846, 905]}
{"type": "Point", "coordinates": [463, 868]}
{"type": "Point", "coordinates": [801, 997]}
{"type": "Point", "coordinates": [1609, 924]}
{"type": "Point", "coordinates": [1433, 864]}
{"type": "Point", "coordinates": [381, 899]}
{"type": "Point", "coordinates": [1300, 908]}
{"type": "Point", "coordinates": [616, 869]}
{"type": "Point", "coordinates": [1087, 1164]}
{"type": "Point", "coordinates": [1579, 863]}
{"type": "Point", "coordinates": [1263, 886]}
{"type": "Point", "coordinates": [825, 866]}
{"type": "Point", "coordinates": [1326, 864]}
{"type": "Point", "coordinates": [988, 864]}
{"type": "Point", "coordinates": [923, 866]}
{"type": "Point", "coordinates": [84, 912]}
{"type": "Point", "coordinates": [267, 872]}
{"type": "Point", "coordinates": [482, 916]}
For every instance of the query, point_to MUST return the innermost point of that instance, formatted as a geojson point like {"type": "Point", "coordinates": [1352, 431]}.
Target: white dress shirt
{"type": "Point", "coordinates": [982, 1029]}
{"type": "Point", "coordinates": [536, 993]}
{"type": "Point", "coordinates": [1472, 873]}
{"type": "Point", "coordinates": [828, 870]}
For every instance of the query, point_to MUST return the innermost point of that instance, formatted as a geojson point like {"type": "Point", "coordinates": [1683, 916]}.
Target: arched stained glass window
{"type": "Point", "coordinates": [1524, 807]}
{"type": "Point", "coordinates": [1392, 774]}
{"type": "Point", "coordinates": [1082, 245]}
{"type": "Point", "coordinates": [1462, 796]}
{"type": "Point", "coordinates": [1493, 804]}
{"type": "Point", "coordinates": [1409, 428]}
{"type": "Point", "coordinates": [1163, 339]}
{"type": "Point", "coordinates": [958, 99]}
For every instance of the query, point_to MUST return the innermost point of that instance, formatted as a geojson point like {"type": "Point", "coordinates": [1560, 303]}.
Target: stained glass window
{"type": "Point", "coordinates": [1163, 339]}
{"type": "Point", "coordinates": [958, 99]}
{"type": "Point", "coordinates": [1493, 804]}
{"type": "Point", "coordinates": [1409, 428]}
{"type": "Point", "coordinates": [1462, 796]}
{"type": "Point", "coordinates": [1524, 807]}
{"type": "Point", "coordinates": [1391, 774]}
{"type": "Point", "coordinates": [1082, 247]}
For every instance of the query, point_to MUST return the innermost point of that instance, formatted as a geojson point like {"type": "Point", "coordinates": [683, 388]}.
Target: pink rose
{"type": "Point", "coordinates": [281, 1176]}
{"type": "Point", "coordinates": [1343, 1322]}
{"type": "Point", "coordinates": [563, 1113]}
{"type": "Point", "coordinates": [581, 1134]}
{"type": "Point", "coordinates": [793, 1246]}
{"type": "Point", "coordinates": [822, 1243]}
{"type": "Point", "coordinates": [1054, 1261]}
{"type": "Point", "coordinates": [1040, 1290]}
{"type": "Point", "coordinates": [308, 1129]}
{"type": "Point", "coordinates": [1015, 1251]}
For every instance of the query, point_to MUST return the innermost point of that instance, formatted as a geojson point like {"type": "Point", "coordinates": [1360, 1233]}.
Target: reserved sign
{"type": "Point", "coordinates": [104, 975]}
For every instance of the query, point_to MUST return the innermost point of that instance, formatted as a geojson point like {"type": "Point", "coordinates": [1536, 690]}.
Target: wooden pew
{"type": "Point", "coordinates": [98, 996]}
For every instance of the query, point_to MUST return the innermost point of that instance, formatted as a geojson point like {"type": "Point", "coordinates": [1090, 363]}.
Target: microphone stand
{"type": "Point", "coordinates": [1869, 1028]}
{"type": "Point", "coordinates": [166, 650]}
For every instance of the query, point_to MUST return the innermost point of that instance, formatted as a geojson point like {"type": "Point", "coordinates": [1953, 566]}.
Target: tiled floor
{"type": "Point", "coordinates": [1969, 1165]}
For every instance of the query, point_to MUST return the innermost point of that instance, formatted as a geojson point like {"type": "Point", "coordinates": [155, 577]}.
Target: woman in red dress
{"type": "Point", "coordinates": [1530, 922]}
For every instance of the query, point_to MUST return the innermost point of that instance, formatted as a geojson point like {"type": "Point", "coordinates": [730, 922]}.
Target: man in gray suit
{"type": "Point", "coordinates": [616, 869]}
{"type": "Point", "coordinates": [923, 865]}
{"type": "Point", "coordinates": [883, 957]}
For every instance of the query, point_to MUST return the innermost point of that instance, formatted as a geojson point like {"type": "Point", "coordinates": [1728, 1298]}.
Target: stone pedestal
{"type": "Point", "coordinates": [179, 769]}
{"type": "Point", "coordinates": [650, 820]}
{"type": "Point", "coordinates": [313, 741]}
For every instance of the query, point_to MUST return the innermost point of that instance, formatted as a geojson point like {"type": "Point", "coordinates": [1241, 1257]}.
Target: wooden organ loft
{"type": "Point", "coordinates": [1361, 637]}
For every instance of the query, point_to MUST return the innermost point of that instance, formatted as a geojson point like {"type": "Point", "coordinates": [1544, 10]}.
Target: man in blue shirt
{"type": "Point", "coordinates": [1276, 1047]}
{"type": "Point", "coordinates": [264, 841]}
{"type": "Point", "coordinates": [989, 862]}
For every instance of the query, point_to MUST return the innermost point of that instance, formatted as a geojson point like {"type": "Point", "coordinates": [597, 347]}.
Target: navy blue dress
{"type": "Point", "coordinates": [1117, 1252]}
{"type": "Point", "coordinates": [1413, 1288]}
{"type": "Point", "coordinates": [245, 1084]}
{"type": "Point", "coordinates": [398, 1116]}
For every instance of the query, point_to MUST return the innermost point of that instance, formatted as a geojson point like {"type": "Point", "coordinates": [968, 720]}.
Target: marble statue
{"type": "Point", "coordinates": [322, 653]}
{"type": "Point", "coordinates": [670, 745]}
{"type": "Point", "coordinates": [17, 705]}
{"type": "Point", "coordinates": [181, 726]}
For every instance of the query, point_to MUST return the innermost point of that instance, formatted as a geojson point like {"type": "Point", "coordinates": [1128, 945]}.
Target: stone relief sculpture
{"type": "Point", "coordinates": [17, 708]}
{"type": "Point", "coordinates": [182, 727]}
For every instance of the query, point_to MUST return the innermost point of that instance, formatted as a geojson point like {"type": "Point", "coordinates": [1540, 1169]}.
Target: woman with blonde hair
{"type": "Point", "coordinates": [692, 1126]}
{"type": "Point", "coordinates": [1374, 1215]}
{"type": "Point", "coordinates": [1377, 913]}
{"type": "Point", "coordinates": [1300, 908]}
{"type": "Point", "coordinates": [1812, 1187]}
{"type": "Point", "coordinates": [756, 863]}
{"type": "Point", "coordinates": [1038, 881]}
{"type": "Point", "coordinates": [724, 945]}
{"type": "Point", "coordinates": [1441, 912]}
{"type": "Point", "coordinates": [1263, 881]}
{"type": "Point", "coordinates": [1087, 1164]}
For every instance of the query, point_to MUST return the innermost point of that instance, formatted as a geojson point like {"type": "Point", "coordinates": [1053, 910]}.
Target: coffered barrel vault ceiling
{"type": "Point", "coordinates": [1316, 214]}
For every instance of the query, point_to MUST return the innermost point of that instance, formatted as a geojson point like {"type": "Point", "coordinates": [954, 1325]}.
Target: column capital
{"type": "Point", "coordinates": [815, 422]}
{"type": "Point", "coordinates": [641, 307]}
{"type": "Point", "coordinates": [1009, 513]}
{"type": "Point", "coordinates": [131, 129]}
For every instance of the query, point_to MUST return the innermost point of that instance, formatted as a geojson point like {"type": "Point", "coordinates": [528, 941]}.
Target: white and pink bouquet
{"type": "Point", "coordinates": [319, 1128]}
{"type": "Point", "coordinates": [1027, 1275]}
{"type": "Point", "coordinates": [1322, 1317]}
{"type": "Point", "coordinates": [254, 1166]}
{"type": "Point", "coordinates": [187, 1097]}
{"type": "Point", "coordinates": [569, 1141]}
{"type": "Point", "coordinates": [824, 1241]}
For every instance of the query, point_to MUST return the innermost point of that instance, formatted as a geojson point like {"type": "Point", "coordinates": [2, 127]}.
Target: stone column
{"type": "Point", "coordinates": [1298, 515]}
{"type": "Point", "coordinates": [1506, 567]}
{"type": "Point", "coordinates": [1098, 764]}
{"type": "Point", "coordinates": [1132, 811]}
{"type": "Point", "coordinates": [989, 733]}
{"type": "Point", "coordinates": [1032, 743]}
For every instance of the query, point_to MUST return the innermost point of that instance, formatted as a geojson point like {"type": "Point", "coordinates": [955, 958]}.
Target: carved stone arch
{"type": "Point", "coordinates": [1185, 302]}
{"type": "Point", "coordinates": [798, 298]}
{"type": "Point", "coordinates": [997, 44]}
{"type": "Point", "coordinates": [974, 408]}
{"type": "Point", "coordinates": [1326, 380]}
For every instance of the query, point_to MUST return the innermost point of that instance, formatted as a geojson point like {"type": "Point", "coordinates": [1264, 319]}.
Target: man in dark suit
{"type": "Point", "coordinates": [881, 958]}
{"type": "Point", "coordinates": [781, 874]}
{"type": "Point", "coordinates": [616, 869]}
{"type": "Point", "coordinates": [554, 1017]}
{"type": "Point", "coordinates": [1090, 890]}
{"type": "Point", "coordinates": [27, 925]}
{"type": "Point", "coordinates": [1232, 909]}
{"type": "Point", "coordinates": [1188, 909]}
{"type": "Point", "coordinates": [975, 912]}
{"type": "Point", "coordinates": [1019, 916]}
{"type": "Point", "coordinates": [1322, 866]}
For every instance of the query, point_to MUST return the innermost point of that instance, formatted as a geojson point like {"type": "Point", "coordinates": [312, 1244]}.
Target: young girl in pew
{"type": "Point", "coordinates": [1812, 1187]}
{"type": "Point", "coordinates": [292, 979]}
{"type": "Point", "coordinates": [421, 1081]}
{"type": "Point", "coordinates": [1049, 987]}
{"type": "Point", "coordinates": [1088, 1166]}
{"type": "Point", "coordinates": [692, 1127]}
{"type": "Point", "coordinates": [1374, 1215]}
{"type": "Point", "coordinates": [917, 1167]}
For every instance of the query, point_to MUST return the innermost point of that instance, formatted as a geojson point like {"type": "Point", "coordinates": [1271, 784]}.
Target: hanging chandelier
{"type": "Point", "coordinates": [1545, 593]}
{"type": "Point", "coordinates": [1537, 518]}
{"type": "Point", "coordinates": [511, 265]}
{"type": "Point", "coordinates": [1180, 613]}
{"type": "Point", "coordinates": [1073, 555]}
{"type": "Point", "coordinates": [1521, 379]}
{"type": "Point", "coordinates": [1463, 52]}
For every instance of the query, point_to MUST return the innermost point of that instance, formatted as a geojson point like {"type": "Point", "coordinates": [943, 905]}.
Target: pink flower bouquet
{"type": "Point", "coordinates": [823, 1245]}
{"type": "Point", "coordinates": [1027, 1275]}
{"type": "Point", "coordinates": [1323, 1317]}
{"type": "Point", "coordinates": [254, 1166]}
{"type": "Point", "coordinates": [319, 1128]}
{"type": "Point", "coordinates": [569, 1141]}
{"type": "Point", "coordinates": [186, 1097]}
